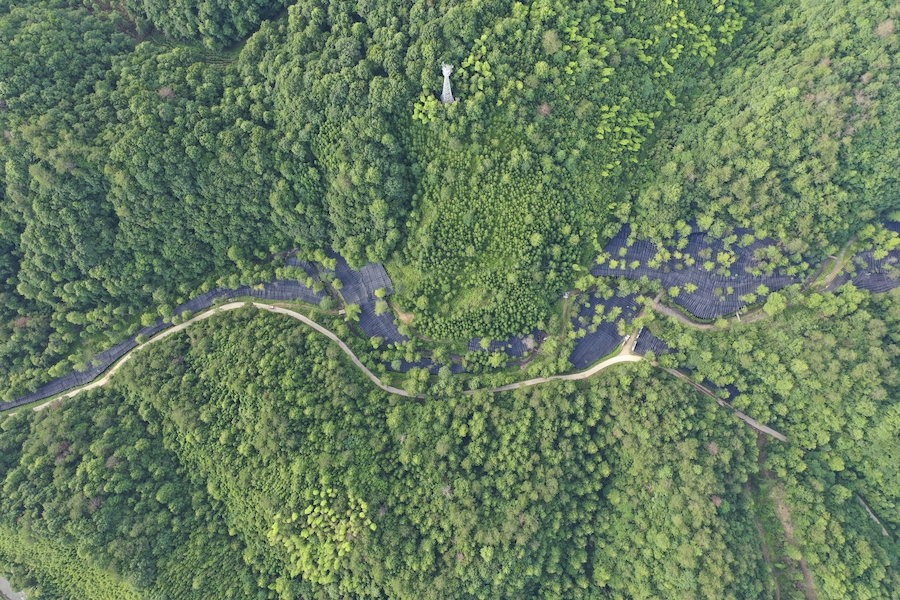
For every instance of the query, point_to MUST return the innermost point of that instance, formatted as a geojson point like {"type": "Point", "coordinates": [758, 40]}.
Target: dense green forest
{"type": "Point", "coordinates": [793, 134]}
{"type": "Point", "coordinates": [520, 176]}
{"type": "Point", "coordinates": [245, 457]}
{"type": "Point", "coordinates": [153, 150]}
{"type": "Point", "coordinates": [825, 374]}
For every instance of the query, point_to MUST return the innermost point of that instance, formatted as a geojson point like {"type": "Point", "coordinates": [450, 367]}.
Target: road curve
{"type": "Point", "coordinates": [624, 356]}
{"type": "Point", "coordinates": [213, 311]}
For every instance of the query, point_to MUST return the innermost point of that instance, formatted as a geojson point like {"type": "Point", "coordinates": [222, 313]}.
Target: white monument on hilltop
{"type": "Point", "coordinates": [447, 94]}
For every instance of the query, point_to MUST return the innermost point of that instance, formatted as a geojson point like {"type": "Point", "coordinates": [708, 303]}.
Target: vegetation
{"type": "Point", "coordinates": [555, 101]}
{"type": "Point", "coordinates": [824, 374]}
{"type": "Point", "coordinates": [790, 134]}
{"type": "Point", "coordinates": [216, 24]}
{"type": "Point", "coordinates": [137, 173]}
{"type": "Point", "coordinates": [153, 150]}
{"type": "Point", "coordinates": [246, 457]}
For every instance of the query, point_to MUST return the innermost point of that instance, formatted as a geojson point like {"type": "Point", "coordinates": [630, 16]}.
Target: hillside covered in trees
{"type": "Point", "coordinates": [245, 457]}
{"type": "Point", "coordinates": [152, 151]}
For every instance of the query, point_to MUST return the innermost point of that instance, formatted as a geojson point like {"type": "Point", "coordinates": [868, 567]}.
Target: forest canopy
{"type": "Point", "coordinates": [145, 158]}
{"type": "Point", "coordinates": [151, 151]}
{"type": "Point", "coordinates": [247, 454]}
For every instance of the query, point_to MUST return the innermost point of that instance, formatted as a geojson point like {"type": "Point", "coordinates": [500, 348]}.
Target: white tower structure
{"type": "Point", "coordinates": [447, 94]}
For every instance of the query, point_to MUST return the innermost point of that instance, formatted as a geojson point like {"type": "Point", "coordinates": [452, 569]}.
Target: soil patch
{"type": "Point", "coordinates": [783, 511]}
{"type": "Point", "coordinates": [405, 318]}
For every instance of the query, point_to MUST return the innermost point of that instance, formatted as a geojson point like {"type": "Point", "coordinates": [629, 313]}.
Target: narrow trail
{"type": "Point", "coordinates": [624, 356]}
{"type": "Point", "coordinates": [6, 592]}
{"type": "Point", "coordinates": [226, 307]}
{"type": "Point", "coordinates": [758, 313]}
{"type": "Point", "coordinates": [661, 308]}
{"type": "Point", "coordinates": [671, 312]}
{"type": "Point", "coordinates": [745, 418]}
{"type": "Point", "coordinates": [872, 516]}
{"type": "Point", "coordinates": [777, 495]}
{"type": "Point", "coordinates": [748, 492]}
{"type": "Point", "coordinates": [767, 558]}
{"type": "Point", "coordinates": [783, 511]}
{"type": "Point", "coordinates": [838, 266]}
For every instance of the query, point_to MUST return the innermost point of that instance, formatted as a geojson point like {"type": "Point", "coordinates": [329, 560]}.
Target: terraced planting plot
{"type": "Point", "coordinates": [704, 277]}
{"type": "Point", "coordinates": [877, 275]}
{"type": "Point", "coordinates": [647, 342]}
{"type": "Point", "coordinates": [599, 320]}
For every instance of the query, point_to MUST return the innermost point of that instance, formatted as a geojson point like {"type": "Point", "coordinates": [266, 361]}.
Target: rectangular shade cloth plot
{"type": "Point", "coordinates": [382, 326]}
{"type": "Point", "coordinates": [647, 342]}
{"type": "Point", "coordinates": [359, 286]}
{"type": "Point", "coordinates": [711, 299]}
{"type": "Point", "coordinates": [605, 338]}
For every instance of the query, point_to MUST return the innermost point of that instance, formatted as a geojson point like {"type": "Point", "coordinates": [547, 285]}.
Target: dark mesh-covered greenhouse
{"type": "Point", "coordinates": [706, 288]}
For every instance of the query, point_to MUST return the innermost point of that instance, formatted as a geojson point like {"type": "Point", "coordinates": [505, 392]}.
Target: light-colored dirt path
{"type": "Point", "coordinates": [624, 356]}
{"type": "Point", "coordinates": [7, 593]}
{"type": "Point", "coordinates": [745, 418]}
{"type": "Point", "coordinates": [784, 515]}
{"type": "Point", "coordinates": [750, 317]}
{"type": "Point", "coordinates": [758, 313]}
{"type": "Point", "coordinates": [671, 312]}
{"type": "Point", "coordinates": [226, 307]}
{"type": "Point", "coordinates": [872, 516]}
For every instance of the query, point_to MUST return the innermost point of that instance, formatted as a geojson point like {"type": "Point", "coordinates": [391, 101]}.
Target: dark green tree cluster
{"type": "Point", "coordinates": [247, 454]}
{"type": "Point", "coordinates": [216, 23]}
{"type": "Point", "coordinates": [51, 226]}
{"type": "Point", "coordinates": [847, 553]}
{"type": "Point", "coordinates": [824, 373]}
{"type": "Point", "coordinates": [94, 505]}
{"type": "Point", "coordinates": [343, 100]}
{"type": "Point", "coordinates": [137, 172]}
{"type": "Point", "coordinates": [519, 176]}
{"type": "Point", "coordinates": [133, 176]}
{"type": "Point", "coordinates": [792, 134]}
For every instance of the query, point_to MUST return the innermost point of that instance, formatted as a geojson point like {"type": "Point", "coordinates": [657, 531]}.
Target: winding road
{"type": "Point", "coordinates": [226, 307]}
{"type": "Point", "coordinates": [625, 355]}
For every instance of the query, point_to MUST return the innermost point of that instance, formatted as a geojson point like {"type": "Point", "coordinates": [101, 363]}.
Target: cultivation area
{"type": "Point", "coordinates": [702, 274]}
{"type": "Point", "coordinates": [706, 276]}
{"type": "Point", "coordinates": [873, 270]}
{"type": "Point", "coordinates": [647, 342]}
{"type": "Point", "coordinates": [360, 287]}
{"type": "Point", "coordinates": [597, 327]}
